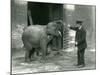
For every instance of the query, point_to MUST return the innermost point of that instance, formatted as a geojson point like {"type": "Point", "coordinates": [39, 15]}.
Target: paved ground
{"type": "Point", "coordinates": [62, 62]}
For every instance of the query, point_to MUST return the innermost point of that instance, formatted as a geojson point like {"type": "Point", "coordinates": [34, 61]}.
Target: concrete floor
{"type": "Point", "coordinates": [62, 62]}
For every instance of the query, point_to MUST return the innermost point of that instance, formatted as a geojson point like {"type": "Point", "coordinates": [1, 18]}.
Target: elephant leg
{"type": "Point", "coordinates": [44, 49]}
{"type": "Point", "coordinates": [31, 53]}
{"type": "Point", "coordinates": [27, 59]}
{"type": "Point", "coordinates": [47, 51]}
{"type": "Point", "coordinates": [28, 48]}
{"type": "Point", "coordinates": [49, 48]}
{"type": "Point", "coordinates": [37, 52]}
{"type": "Point", "coordinates": [44, 53]}
{"type": "Point", "coordinates": [54, 43]}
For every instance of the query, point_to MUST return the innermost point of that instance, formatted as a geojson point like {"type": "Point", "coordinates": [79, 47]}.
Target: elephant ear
{"type": "Point", "coordinates": [59, 24]}
{"type": "Point", "coordinates": [52, 28]}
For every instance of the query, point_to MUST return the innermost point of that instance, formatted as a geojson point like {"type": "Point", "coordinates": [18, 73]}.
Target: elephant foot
{"type": "Point", "coordinates": [47, 53]}
{"type": "Point", "coordinates": [32, 59]}
{"type": "Point", "coordinates": [54, 49]}
{"type": "Point", "coordinates": [27, 60]}
{"type": "Point", "coordinates": [58, 53]}
{"type": "Point", "coordinates": [43, 60]}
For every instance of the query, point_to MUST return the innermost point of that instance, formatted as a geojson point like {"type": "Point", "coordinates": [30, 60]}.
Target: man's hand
{"type": "Point", "coordinates": [76, 43]}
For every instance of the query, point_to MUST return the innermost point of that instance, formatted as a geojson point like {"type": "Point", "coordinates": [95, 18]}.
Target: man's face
{"type": "Point", "coordinates": [78, 25]}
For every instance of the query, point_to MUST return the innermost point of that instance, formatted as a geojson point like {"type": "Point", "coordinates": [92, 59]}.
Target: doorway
{"type": "Point", "coordinates": [39, 13]}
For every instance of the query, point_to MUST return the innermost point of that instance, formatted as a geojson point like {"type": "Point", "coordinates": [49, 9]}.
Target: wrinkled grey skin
{"type": "Point", "coordinates": [38, 37]}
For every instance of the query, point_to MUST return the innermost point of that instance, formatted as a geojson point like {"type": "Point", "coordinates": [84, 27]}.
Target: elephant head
{"type": "Point", "coordinates": [55, 28]}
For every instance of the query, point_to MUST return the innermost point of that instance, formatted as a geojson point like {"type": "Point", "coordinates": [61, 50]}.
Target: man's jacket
{"type": "Point", "coordinates": [80, 37]}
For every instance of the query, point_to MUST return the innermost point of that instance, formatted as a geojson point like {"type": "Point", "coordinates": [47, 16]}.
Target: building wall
{"type": "Point", "coordinates": [79, 12]}
{"type": "Point", "coordinates": [68, 17]}
{"type": "Point", "coordinates": [18, 21]}
{"type": "Point", "coordinates": [55, 12]}
{"type": "Point", "coordinates": [87, 14]}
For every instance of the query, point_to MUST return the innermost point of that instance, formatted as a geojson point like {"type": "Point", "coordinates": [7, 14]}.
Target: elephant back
{"type": "Point", "coordinates": [33, 34]}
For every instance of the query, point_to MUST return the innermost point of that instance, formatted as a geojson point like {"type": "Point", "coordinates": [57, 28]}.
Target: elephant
{"type": "Point", "coordinates": [38, 37]}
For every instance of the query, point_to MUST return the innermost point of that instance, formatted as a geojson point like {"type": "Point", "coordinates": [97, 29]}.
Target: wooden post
{"type": "Point", "coordinates": [30, 17]}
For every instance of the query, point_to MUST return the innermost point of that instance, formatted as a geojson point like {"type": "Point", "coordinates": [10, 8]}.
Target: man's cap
{"type": "Point", "coordinates": [79, 22]}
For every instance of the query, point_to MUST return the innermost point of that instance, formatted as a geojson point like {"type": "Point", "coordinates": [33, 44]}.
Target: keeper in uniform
{"type": "Point", "coordinates": [80, 43]}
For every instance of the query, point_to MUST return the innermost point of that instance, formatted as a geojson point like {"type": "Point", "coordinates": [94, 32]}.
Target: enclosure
{"type": "Point", "coordinates": [24, 13]}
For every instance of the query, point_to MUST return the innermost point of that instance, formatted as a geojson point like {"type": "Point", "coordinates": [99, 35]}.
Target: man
{"type": "Point", "coordinates": [80, 42]}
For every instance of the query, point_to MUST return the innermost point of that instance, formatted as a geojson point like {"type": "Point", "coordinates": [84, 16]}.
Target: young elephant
{"type": "Point", "coordinates": [38, 36]}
